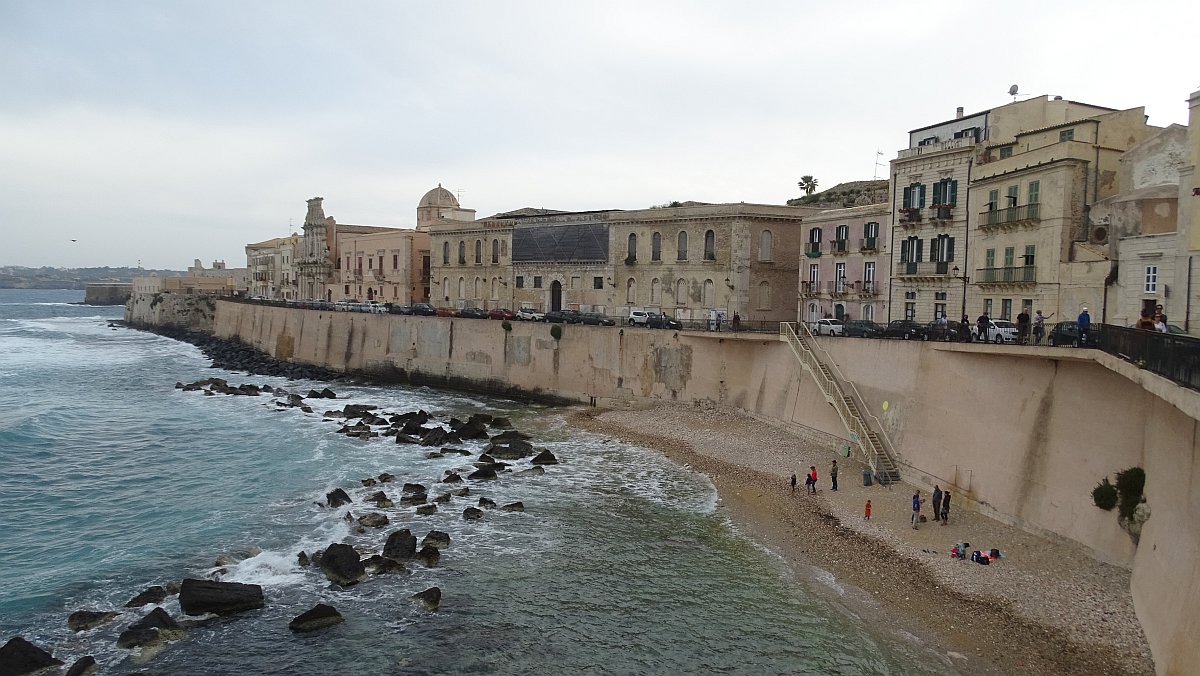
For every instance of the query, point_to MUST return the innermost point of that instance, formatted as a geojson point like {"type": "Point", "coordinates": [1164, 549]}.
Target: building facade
{"type": "Point", "coordinates": [845, 265]}
{"type": "Point", "coordinates": [272, 268]}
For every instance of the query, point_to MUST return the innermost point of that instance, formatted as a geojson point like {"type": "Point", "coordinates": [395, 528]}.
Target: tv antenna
{"type": "Point", "coordinates": [1012, 91]}
{"type": "Point", "coordinates": [878, 163]}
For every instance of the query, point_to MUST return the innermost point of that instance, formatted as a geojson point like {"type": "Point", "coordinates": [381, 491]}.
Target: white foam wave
{"type": "Point", "coordinates": [269, 569]}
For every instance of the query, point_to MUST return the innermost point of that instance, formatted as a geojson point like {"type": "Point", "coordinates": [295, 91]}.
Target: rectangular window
{"type": "Point", "coordinates": [871, 230]}
{"type": "Point", "coordinates": [597, 282]}
{"type": "Point", "coordinates": [869, 271]}
{"type": "Point", "coordinates": [360, 263]}
{"type": "Point", "coordinates": [939, 310]}
{"type": "Point", "coordinates": [939, 295]}
{"type": "Point", "coordinates": [1006, 152]}
{"type": "Point", "coordinates": [814, 273]}
{"type": "Point", "coordinates": [989, 258]}
{"type": "Point", "coordinates": [395, 261]}
{"type": "Point", "coordinates": [1013, 194]}
{"type": "Point", "coordinates": [1008, 256]}
{"type": "Point", "coordinates": [537, 282]}
{"type": "Point", "coordinates": [993, 199]}
{"type": "Point", "coordinates": [910, 295]}
{"type": "Point", "coordinates": [910, 311]}
{"type": "Point", "coordinates": [1006, 309]}
{"type": "Point", "coordinates": [347, 290]}
{"type": "Point", "coordinates": [1151, 279]}
{"type": "Point", "coordinates": [520, 281]}
{"type": "Point", "coordinates": [1035, 192]}
{"type": "Point", "coordinates": [1030, 255]}
{"type": "Point", "coordinates": [987, 306]}
{"type": "Point", "coordinates": [575, 283]}
{"type": "Point", "coordinates": [839, 275]}
{"type": "Point", "coordinates": [1027, 306]}
{"type": "Point", "coordinates": [1066, 135]}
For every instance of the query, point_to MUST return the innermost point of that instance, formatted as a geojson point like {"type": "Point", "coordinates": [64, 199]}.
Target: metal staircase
{"type": "Point", "coordinates": [875, 447]}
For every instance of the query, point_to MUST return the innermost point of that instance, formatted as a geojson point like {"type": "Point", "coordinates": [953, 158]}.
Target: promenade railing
{"type": "Point", "coordinates": [1171, 355]}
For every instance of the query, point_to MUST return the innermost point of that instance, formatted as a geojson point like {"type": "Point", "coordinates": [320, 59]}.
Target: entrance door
{"type": "Point", "coordinates": [839, 311]}
{"type": "Point", "coordinates": [555, 296]}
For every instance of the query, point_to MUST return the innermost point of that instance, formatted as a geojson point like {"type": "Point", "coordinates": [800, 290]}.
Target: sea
{"type": "Point", "coordinates": [113, 480]}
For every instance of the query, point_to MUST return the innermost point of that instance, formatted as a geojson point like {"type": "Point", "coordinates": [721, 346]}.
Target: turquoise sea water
{"type": "Point", "coordinates": [111, 480]}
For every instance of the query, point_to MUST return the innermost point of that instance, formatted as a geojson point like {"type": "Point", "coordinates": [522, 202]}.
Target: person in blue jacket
{"type": "Point", "coordinates": [1085, 326]}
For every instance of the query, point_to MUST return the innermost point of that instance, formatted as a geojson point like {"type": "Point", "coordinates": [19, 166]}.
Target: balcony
{"type": "Point", "coordinates": [1014, 276]}
{"type": "Point", "coordinates": [839, 247]}
{"type": "Point", "coordinates": [910, 216]}
{"type": "Point", "coordinates": [941, 212]}
{"type": "Point", "coordinates": [867, 244]}
{"type": "Point", "coordinates": [812, 249]}
{"type": "Point", "coordinates": [810, 289]}
{"type": "Point", "coordinates": [866, 289]}
{"type": "Point", "coordinates": [940, 147]}
{"type": "Point", "coordinates": [922, 269]}
{"type": "Point", "coordinates": [1025, 215]}
{"type": "Point", "coordinates": [377, 273]}
{"type": "Point", "coordinates": [837, 288]}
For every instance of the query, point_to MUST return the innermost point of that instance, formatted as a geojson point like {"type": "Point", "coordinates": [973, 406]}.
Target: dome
{"type": "Point", "coordinates": [438, 197]}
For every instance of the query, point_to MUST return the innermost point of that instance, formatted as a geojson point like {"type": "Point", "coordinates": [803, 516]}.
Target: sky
{"type": "Point", "coordinates": [155, 133]}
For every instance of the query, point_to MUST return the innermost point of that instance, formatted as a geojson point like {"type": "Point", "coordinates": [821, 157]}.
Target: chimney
{"type": "Point", "coordinates": [958, 113]}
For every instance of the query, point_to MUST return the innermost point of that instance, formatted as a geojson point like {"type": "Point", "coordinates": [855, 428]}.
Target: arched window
{"type": "Point", "coordinates": [462, 288]}
{"type": "Point", "coordinates": [709, 293]}
{"type": "Point", "coordinates": [446, 288]}
{"type": "Point", "coordinates": [710, 245]}
{"type": "Point", "coordinates": [868, 312]}
{"type": "Point", "coordinates": [656, 247]}
{"type": "Point", "coordinates": [495, 251]}
{"type": "Point", "coordinates": [681, 292]}
{"type": "Point", "coordinates": [764, 296]}
{"type": "Point", "coordinates": [632, 255]}
{"type": "Point", "coordinates": [478, 252]}
{"type": "Point", "coordinates": [495, 288]}
{"type": "Point", "coordinates": [682, 254]}
{"type": "Point", "coordinates": [655, 291]}
{"type": "Point", "coordinates": [631, 292]}
{"type": "Point", "coordinates": [462, 253]}
{"type": "Point", "coordinates": [445, 253]}
{"type": "Point", "coordinates": [478, 289]}
{"type": "Point", "coordinates": [766, 242]}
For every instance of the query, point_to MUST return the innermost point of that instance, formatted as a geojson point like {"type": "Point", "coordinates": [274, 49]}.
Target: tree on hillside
{"type": "Point", "coordinates": [808, 184]}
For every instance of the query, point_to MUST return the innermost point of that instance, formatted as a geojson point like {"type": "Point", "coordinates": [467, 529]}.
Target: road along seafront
{"type": "Point", "coordinates": [1046, 607]}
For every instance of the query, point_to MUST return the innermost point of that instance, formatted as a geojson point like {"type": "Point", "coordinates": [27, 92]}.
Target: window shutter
{"type": "Point", "coordinates": [952, 200]}
{"type": "Point", "coordinates": [904, 250]}
{"type": "Point", "coordinates": [907, 196]}
{"type": "Point", "coordinates": [921, 199]}
{"type": "Point", "coordinates": [920, 247]}
{"type": "Point", "coordinates": [933, 248]}
{"type": "Point", "coordinates": [937, 192]}
{"type": "Point", "coordinates": [950, 250]}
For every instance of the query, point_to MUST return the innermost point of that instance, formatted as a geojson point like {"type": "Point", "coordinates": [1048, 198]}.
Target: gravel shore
{"type": "Point", "coordinates": [1046, 607]}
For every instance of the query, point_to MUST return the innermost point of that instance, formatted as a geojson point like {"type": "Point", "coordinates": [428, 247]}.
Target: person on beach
{"type": "Point", "coordinates": [916, 514]}
{"type": "Point", "coordinates": [793, 484]}
{"type": "Point", "coordinates": [811, 481]}
{"type": "Point", "coordinates": [833, 474]}
{"type": "Point", "coordinates": [937, 502]}
{"type": "Point", "coordinates": [867, 512]}
{"type": "Point", "coordinates": [945, 507]}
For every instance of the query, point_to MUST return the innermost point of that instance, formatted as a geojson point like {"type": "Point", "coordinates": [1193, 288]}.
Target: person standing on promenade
{"type": "Point", "coordinates": [793, 483]}
{"type": "Point", "coordinates": [981, 324]}
{"type": "Point", "coordinates": [833, 474]}
{"type": "Point", "coordinates": [811, 481]}
{"type": "Point", "coordinates": [1023, 327]}
{"type": "Point", "coordinates": [737, 322]}
{"type": "Point", "coordinates": [867, 511]}
{"type": "Point", "coordinates": [937, 502]}
{"type": "Point", "coordinates": [945, 507]}
{"type": "Point", "coordinates": [1039, 327]}
{"type": "Point", "coordinates": [1085, 326]}
{"type": "Point", "coordinates": [916, 512]}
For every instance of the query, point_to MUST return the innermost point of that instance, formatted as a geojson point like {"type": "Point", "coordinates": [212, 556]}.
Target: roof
{"type": "Point", "coordinates": [438, 197]}
{"type": "Point", "coordinates": [563, 243]}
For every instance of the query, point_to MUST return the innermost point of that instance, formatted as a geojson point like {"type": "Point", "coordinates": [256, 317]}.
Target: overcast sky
{"type": "Point", "coordinates": [159, 132]}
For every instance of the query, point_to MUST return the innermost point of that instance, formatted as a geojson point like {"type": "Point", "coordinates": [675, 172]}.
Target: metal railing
{"type": "Point", "coordinates": [868, 244]}
{"type": "Point", "coordinates": [1171, 355]}
{"type": "Point", "coordinates": [1006, 275]}
{"type": "Point", "coordinates": [838, 246]}
{"type": "Point", "coordinates": [812, 249]}
{"type": "Point", "coordinates": [1028, 213]}
{"type": "Point", "coordinates": [922, 268]}
{"type": "Point", "coordinates": [875, 446]}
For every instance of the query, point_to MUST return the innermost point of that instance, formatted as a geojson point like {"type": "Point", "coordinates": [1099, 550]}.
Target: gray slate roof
{"type": "Point", "coordinates": [573, 242]}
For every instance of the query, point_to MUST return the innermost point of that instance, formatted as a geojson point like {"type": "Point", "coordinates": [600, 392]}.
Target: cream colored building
{"type": "Point", "coordinates": [471, 265]}
{"type": "Point", "coordinates": [1030, 244]}
{"type": "Point", "coordinates": [272, 268]}
{"type": "Point", "coordinates": [844, 269]}
{"type": "Point", "coordinates": [1185, 302]}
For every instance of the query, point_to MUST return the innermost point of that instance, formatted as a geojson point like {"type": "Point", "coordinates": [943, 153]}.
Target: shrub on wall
{"type": "Point", "coordinates": [556, 331]}
{"type": "Point", "coordinates": [506, 325]}
{"type": "Point", "coordinates": [1105, 495]}
{"type": "Point", "coordinates": [1129, 489]}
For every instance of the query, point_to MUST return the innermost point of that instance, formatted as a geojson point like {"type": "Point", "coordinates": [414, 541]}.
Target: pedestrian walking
{"type": "Point", "coordinates": [937, 502]}
{"type": "Point", "coordinates": [811, 481]}
{"type": "Point", "coordinates": [1039, 326]}
{"type": "Point", "coordinates": [833, 474]}
{"type": "Point", "coordinates": [867, 511]}
{"type": "Point", "coordinates": [945, 507]}
{"type": "Point", "coordinates": [793, 483]}
{"type": "Point", "coordinates": [1023, 327]}
{"type": "Point", "coordinates": [916, 512]}
{"type": "Point", "coordinates": [1085, 326]}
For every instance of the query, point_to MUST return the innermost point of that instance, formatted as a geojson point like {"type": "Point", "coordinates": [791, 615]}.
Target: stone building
{"type": "Point", "coordinates": [471, 265]}
{"type": "Point", "coordinates": [844, 270]}
{"type": "Point", "coordinates": [272, 268]}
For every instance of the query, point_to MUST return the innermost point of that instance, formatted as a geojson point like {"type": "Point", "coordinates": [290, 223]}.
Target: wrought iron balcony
{"type": "Point", "coordinates": [867, 288]}
{"type": "Point", "coordinates": [1025, 274]}
{"type": "Point", "coordinates": [910, 215]}
{"type": "Point", "coordinates": [941, 213]}
{"type": "Point", "coordinates": [1028, 214]}
{"type": "Point", "coordinates": [922, 269]}
{"type": "Point", "coordinates": [809, 289]}
{"type": "Point", "coordinates": [868, 244]}
{"type": "Point", "coordinates": [837, 288]}
{"type": "Point", "coordinates": [812, 249]}
{"type": "Point", "coordinates": [838, 247]}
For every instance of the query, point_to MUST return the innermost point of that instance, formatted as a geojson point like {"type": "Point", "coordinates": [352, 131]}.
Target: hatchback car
{"type": "Point", "coordinates": [595, 319]}
{"type": "Point", "coordinates": [952, 332]}
{"type": "Point", "coordinates": [638, 317]}
{"type": "Point", "coordinates": [659, 321]}
{"type": "Point", "coordinates": [999, 331]}
{"type": "Point", "coordinates": [526, 314]}
{"type": "Point", "coordinates": [400, 310]}
{"type": "Point", "coordinates": [473, 313]}
{"type": "Point", "coordinates": [828, 327]}
{"type": "Point", "coordinates": [501, 313]}
{"type": "Point", "coordinates": [905, 329]}
{"type": "Point", "coordinates": [861, 328]}
{"type": "Point", "coordinates": [1067, 333]}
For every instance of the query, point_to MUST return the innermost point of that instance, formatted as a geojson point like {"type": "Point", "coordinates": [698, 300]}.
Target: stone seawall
{"type": "Point", "coordinates": [1022, 433]}
{"type": "Point", "coordinates": [107, 294]}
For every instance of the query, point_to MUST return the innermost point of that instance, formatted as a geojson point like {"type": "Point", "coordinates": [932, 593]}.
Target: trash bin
{"type": "Point", "coordinates": [866, 477]}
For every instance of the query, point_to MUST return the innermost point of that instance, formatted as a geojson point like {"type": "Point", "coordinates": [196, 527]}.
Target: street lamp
{"type": "Point", "coordinates": [965, 279]}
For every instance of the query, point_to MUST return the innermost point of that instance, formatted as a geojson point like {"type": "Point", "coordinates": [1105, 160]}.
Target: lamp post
{"type": "Point", "coordinates": [965, 279]}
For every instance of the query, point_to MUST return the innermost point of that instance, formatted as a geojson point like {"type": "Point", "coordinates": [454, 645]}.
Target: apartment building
{"type": "Point", "coordinates": [845, 265]}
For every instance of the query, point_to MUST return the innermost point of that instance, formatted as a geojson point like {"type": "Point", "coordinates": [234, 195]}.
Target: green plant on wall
{"type": "Point", "coordinates": [1105, 495]}
{"type": "Point", "coordinates": [556, 331]}
{"type": "Point", "coordinates": [506, 325]}
{"type": "Point", "coordinates": [1127, 497]}
{"type": "Point", "coordinates": [155, 300]}
{"type": "Point", "coordinates": [1129, 489]}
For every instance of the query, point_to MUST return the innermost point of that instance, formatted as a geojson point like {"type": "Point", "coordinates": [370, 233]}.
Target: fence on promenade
{"type": "Point", "coordinates": [1171, 355]}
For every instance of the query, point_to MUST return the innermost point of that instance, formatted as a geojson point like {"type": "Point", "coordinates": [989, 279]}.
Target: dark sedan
{"type": "Point", "coordinates": [952, 332]}
{"type": "Point", "coordinates": [400, 310]}
{"type": "Point", "coordinates": [595, 319]}
{"type": "Point", "coordinates": [423, 309]}
{"type": "Point", "coordinates": [662, 322]}
{"type": "Point", "coordinates": [473, 313]}
{"type": "Point", "coordinates": [564, 317]}
{"type": "Point", "coordinates": [862, 328]}
{"type": "Point", "coordinates": [905, 329]}
{"type": "Point", "coordinates": [1067, 333]}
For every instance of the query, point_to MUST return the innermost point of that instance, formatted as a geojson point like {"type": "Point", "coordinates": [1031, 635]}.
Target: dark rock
{"type": "Point", "coordinates": [356, 410]}
{"type": "Point", "coordinates": [156, 627]}
{"type": "Point", "coordinates": [414, 488]}
{"type": "Point", "coordinates": [487, 502]}
{"type": "Point", "coordinates": [342, 565]}
{"type": "Point", "coordinates": [373, 520]}
{"type": "Point", "coordinates": [386, 478]}
{"type": "Point", "coordinates": [544, 458]}
{"type": "Point", "coordinates": [416, 428]}
{"type": "Point", "coordinates": [155, 594]}
{"type": "Point", "coordinates": [318, 617]}
{"type": "Point", "coordinates": [376, 497]}
{"type": "Point", "coordinates": [438, 436]}
{"type": "Point", "coordinates": [430, 599]}
{"type": "Point", "coordinates": [452, 478]}
{"type": "Point", "coordinates": [532, 471]}
{"type": "Point", "coordinates": [513, 507]}
{"type": "Point", "coordinates": [295, 400]}
{"type": "Point", "coordinates": [178, 385]}
{"type": "Point", "coordinates": [437, 539]}
{"type": "Point", "coordinates": [471, 514]}
{"type": "Point", "coordinates": [83, 666]}
{"type": "Point", "coordinates": [443, 498]}
{"type": "Point", "coordinates": [510, 434]}
{"type": "Point", "coordinates": [429, 556]}
{"type": "Point", "coordinates": [302, 560]}
{"type": "Point", "coordinates": [82, 620]}
{"type": "Point", "coordinates": [367, 483]}
{"type": "Point", "coordinates": [405, 439]}
{"type": "Point", "coordinates": [334, 414]}
{"type": "Point", "coordinates": [336, 498]}
{"type": "Point", "coordinates": [484, 418]}
{"type": "Point", "coordinates": [19, 656]}
{"type": "Point", "coordinates": [306, 409]}
{"type": "Point", "coordinates": [327, 393]}
{"type": "Point", "coordinates": [502, 423]}
{"type": "Point", "coordinates": [401, 545]}
{"type": "Point", "coordinates": [432, 455]}
{"type": "Point", "coordinates": [460, 451]}
{"type": "Point", "coordinates": [414, 499]}
{"type": "Point", "coordinates": [471, 430]}
{"type": "Point", "coordinates": [426, 510]}
{"type": "Point", "coordinates": [198, 597]}
{"type": "Point", "coordinates": [460, 492]}
{"type": "Point", "coordinates": [512, 449]}
{"type": "Point", "coordinates": [482, 474]}
{"type": "Point", "coordinates": [173, 588]}
{"type": "Point", "coordinates": [382, 564]}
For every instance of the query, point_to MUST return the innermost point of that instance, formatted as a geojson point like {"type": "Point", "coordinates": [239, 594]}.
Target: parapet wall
{"type": "Point", "coordinates": [1025, 434]}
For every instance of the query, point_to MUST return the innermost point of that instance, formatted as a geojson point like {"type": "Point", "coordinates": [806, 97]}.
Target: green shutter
{"type": "Point", "coordinates": [950, 249]}
{"type": "Point", "coordinates": [952, 200]}
{"type": "Point", "coordinates": [907, 196]}
{"type": "Point", "coordinates": [921, 199]}
{"type": "Point", "coordinates": [920, 246]}
{"type": "Point", "coordinates": [937, 192]}
{"type": "Point", "coordinates": [904, 251]}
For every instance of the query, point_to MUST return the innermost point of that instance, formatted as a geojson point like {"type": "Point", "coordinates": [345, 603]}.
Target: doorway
{"type": "Point", "coordinates": [555, 296]}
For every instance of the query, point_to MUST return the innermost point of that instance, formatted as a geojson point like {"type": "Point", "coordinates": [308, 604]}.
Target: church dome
{"type": "Point", "coordinates": [438, 197]}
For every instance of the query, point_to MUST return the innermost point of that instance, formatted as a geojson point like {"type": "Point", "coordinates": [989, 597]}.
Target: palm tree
{"type": "Point", "coordinates": [808, 184]}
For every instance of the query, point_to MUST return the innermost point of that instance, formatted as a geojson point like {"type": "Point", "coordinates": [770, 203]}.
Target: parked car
{"type": "Point", "coordinates": [373, 306]}
{"type": "Point", "coordinates": [999, 331]}
{"type": "Point", "coordinates": [638, 317]}
{"type": "Point", "coordinates": [557, 317]}
{"type": "Point", "coordinates": [473, 313]}
{"type": "Point", "coordinates": [828, 327]}
{"type": "Point", "coordinates": [423, 310]}
{"type": "Point", "coordinates": [526, 314]}
{"type": "Point", "coordinates": [905, 329]}
{"type": "Point", "coordinates": [345, 305]}
{"type": "Point", "coordinates": [447, 312]}
{"type": "Point", "coordinates": [953, 332]}
{"type": "Point", "coordinates": [596, 319]}
{"type": "Point", "coordinates": [862, 328]}
{"type": "Point", "coordinates": [501, 313]}
{"type": "Point", "coordinates": [661, 321]}
{"type": "Point", "coordinates": [400, 310]}
{"type": "Point", "coordinates": [1067, 333]}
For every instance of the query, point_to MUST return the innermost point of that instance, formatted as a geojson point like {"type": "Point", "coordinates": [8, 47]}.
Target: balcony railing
{"type": "Point", "coordinates": [810, 288]}
{"type": "Point", "coordinates": [910, 215]}
{"type": "Point", "coordinates": [867, 288]}
{"type": "Point", "coordinates": [941, 213]}
{"type": "Point", "coordinates": [1025, 274]}
{"type": "Point", "coordinates": [838, 246]}
{"type": "Point", "coordinates": [1022, 215]}
{"type": "Point", "coordinates": [1170, 355]}
{"type": "Point", "coordinates": [837, 288]}
{"type": "Point", "coordinates": [868, 244]}
{"type": "Point", "coordinates": [812, 249]}
{"type": "Point", "coordinates": [922, 269]}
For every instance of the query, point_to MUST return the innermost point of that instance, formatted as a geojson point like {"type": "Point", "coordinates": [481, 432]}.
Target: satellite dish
{"type": "Point", "coordinates": [1012, 91]}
